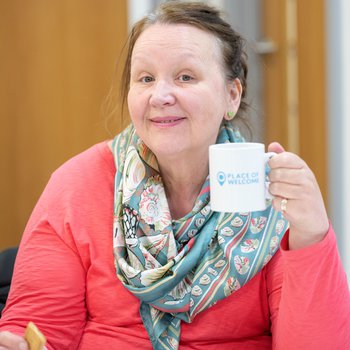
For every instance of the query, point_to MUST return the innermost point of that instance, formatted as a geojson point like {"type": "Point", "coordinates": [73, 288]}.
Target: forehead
{"type": "Point", "coordinates": [177, 38]}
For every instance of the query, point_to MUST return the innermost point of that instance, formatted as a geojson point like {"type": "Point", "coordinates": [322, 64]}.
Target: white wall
{"type": "Point", "coordinates": [137, 9]}
{"type": "Point", "coordinates": [338, 31]}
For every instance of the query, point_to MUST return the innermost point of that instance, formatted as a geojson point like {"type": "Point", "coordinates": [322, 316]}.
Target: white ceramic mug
{"type": "Point", "coordinates": [237, 177]}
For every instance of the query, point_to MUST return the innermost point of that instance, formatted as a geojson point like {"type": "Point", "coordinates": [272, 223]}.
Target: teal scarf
{"type": "Point", "coordinates": [178, 268]}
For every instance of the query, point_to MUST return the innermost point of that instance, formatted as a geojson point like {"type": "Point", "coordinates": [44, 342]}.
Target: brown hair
{"type": "Point", "coordinates": [206, 18]}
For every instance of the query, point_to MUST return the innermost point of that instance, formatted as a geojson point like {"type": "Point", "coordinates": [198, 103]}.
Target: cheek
{"type": "Point", "coordinates": [199, 100]}
{"type": "Point", "coordinates": [211, 106]}
{"type": "Point", "coordinates": [135, 104]}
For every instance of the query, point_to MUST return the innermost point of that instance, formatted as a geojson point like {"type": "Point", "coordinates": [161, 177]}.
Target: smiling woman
{"type": "Point", "coordinates": [124, 246]}
{"type": "Point", "coordinates": [171, 93]}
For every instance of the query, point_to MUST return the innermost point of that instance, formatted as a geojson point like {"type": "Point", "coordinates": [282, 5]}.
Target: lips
{"type": "Point", "coordinates": [165, 121]}
{"type": "Point", "coordinates": [169, 120]}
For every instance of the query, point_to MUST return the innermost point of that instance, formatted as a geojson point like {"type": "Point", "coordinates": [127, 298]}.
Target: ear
{"type": "Point", "coordinates": [234, 90]}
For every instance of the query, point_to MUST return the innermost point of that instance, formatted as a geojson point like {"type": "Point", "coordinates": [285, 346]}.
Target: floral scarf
{"type": "Point", "coordinates": [178, 268]}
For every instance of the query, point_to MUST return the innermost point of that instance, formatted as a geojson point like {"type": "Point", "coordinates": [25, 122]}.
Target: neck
{"type": "Point", "coordinates": [183, 181]}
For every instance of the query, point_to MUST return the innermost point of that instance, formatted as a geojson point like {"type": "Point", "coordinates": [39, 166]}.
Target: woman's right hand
{"type": "Point", "coordinates": [10, 341]}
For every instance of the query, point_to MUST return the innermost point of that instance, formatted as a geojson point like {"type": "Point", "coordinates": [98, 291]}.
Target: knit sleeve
{"type": "Point", "coordinates": [309, 298]}
{"type": "Point", "coordinates": [48, 286]}
{"type": "Point", "coordinates": [61, 242]}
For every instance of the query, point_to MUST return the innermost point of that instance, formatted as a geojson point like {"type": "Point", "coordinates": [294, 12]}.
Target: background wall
{"type": "Point", "coordinates": [338, 126]}
{"type": "Point", "coordinates": [57, 62]}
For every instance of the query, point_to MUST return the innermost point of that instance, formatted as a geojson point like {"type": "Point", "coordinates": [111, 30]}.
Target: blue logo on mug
{"type": "Point", "coordinates": [241, 178]}
{"type": "Point", "coordinates": [221, 177]}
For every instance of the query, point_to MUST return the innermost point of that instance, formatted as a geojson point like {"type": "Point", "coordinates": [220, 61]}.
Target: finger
{"type": "Point", "coordinates": [275, 147]}
{"type": "Point", "coordinates": [288, 176]}
{"type": "Point", "coordinates": [286, 160]}
{"type": "Point", "coordinates": [9, 340]}
{"type": "Point", "coordinates": [283, 190]}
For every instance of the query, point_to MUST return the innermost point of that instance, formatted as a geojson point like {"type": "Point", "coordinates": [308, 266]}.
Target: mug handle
{"type": "Point", "coordinates": [267, 157]}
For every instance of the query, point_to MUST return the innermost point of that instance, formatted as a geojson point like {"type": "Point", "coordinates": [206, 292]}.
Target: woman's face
{"type": "Point", "coordinates": [178, 92]}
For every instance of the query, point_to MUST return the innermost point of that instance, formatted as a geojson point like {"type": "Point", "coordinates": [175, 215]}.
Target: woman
{"type": "Point", "coordinates": [175, 259]}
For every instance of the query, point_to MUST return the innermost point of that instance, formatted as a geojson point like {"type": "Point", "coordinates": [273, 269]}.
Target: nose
{"type": "Point", "coordinates": [162, 94]}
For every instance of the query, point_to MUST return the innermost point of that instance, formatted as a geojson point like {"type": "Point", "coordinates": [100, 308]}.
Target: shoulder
{"type": "Point", "coordinates": [88, 173]}
{"type": "Point", "coordinates": [96, 159]}
{"type": "Point", "coordinates": [77, 202]}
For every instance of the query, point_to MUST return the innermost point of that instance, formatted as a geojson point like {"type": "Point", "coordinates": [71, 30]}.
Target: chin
{"type": "Point", "coordinates": [167, 150]}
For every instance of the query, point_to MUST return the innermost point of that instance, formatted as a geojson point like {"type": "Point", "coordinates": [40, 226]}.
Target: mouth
{"type": "Point", "coordinates": [166, 121]}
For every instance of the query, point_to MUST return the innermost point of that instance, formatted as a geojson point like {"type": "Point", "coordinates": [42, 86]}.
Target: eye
{"type": "Point", "coordinates": [147, 79]}
{"type": "Point", "coordinates": [185, 78]}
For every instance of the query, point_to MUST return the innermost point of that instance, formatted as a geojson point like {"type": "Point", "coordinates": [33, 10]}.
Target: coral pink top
{"type": "Point", "coordinates": [65, 281]}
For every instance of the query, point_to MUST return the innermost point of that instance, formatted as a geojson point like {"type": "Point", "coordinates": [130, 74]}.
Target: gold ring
{"type": "Point", "coordinates": [284, 202]}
